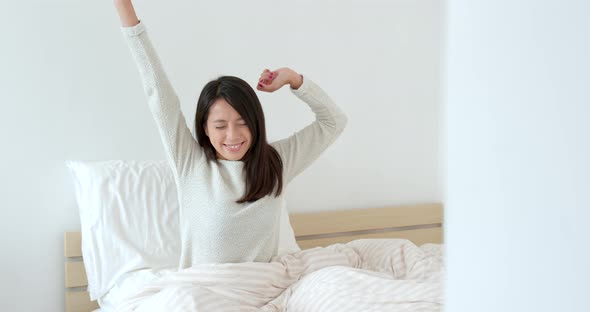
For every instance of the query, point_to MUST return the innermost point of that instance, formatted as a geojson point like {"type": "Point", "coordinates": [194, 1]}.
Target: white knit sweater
{"type": "Point", "coordinates": [213, 227]}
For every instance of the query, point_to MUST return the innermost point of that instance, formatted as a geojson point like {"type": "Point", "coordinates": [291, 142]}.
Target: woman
{"type": "Point", "coordinates": [230, 180]}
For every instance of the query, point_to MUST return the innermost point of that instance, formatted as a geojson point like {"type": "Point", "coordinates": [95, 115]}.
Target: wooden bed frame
{"type": "Point", "coordinates": [419, 223]}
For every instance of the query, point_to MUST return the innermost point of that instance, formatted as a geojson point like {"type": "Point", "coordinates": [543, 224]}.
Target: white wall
{"type": "Point", "coordinates": [70, 90]}
{"type": "Point", "coordinates": [517, 108]}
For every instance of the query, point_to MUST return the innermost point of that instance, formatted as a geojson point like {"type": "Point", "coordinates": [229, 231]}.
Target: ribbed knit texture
{"type": "Point", "coordinates": [213, 227]}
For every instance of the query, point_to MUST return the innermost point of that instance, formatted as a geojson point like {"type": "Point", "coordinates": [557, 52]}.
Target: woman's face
{"type": "Point", "coordinates": [228, 132]}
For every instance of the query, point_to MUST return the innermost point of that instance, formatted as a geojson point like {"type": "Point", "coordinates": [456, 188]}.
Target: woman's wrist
{"type": "Point", "coordinates": [126, 12]}
{"type": "Point", "coordinates": [296, 80]}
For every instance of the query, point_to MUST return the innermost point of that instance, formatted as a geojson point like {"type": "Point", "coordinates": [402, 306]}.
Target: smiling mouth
{"type": "Point", "coordinates": [234, 147]}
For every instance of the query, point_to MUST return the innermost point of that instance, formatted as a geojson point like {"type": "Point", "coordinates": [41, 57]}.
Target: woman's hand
{"type": "Point", "coordinates": [271, 81]}
{"type": "Point", "coordinates": [126, 13]}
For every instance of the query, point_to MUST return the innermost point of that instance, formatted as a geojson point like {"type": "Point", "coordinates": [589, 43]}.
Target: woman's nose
{"type": "Point", "coordinates": [233, 133]}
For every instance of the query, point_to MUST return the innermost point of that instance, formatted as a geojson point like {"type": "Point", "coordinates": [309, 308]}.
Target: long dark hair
{"type": "Point", "coordinates": [262, 163]}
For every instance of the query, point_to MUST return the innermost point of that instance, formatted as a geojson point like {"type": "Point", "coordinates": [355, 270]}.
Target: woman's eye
{"type": "Point", "coordinates": [224, 126]}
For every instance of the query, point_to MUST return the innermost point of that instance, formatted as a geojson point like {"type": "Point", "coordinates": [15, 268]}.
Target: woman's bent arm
{"type": "Point", "coordinates": [302, 148]}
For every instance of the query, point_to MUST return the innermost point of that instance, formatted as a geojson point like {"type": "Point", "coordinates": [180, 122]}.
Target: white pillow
{"type": "Point", "coordinates": [129, 219]}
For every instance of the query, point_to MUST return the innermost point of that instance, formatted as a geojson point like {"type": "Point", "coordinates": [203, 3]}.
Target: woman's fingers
{"type": "Point", "coordinates": [266, 75]}
{"type": "Point", "coordinates": [266, 81]}
{"type": "Point", "coordinates": [267, 78]}
{"type": "Point", "coordinates": [268, 87]}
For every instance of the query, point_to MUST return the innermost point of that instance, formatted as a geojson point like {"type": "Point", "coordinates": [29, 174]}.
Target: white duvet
{"type": "Point", "coordinates": [362, 275]}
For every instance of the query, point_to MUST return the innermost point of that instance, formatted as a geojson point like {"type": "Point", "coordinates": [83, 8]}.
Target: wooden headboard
{"type": "Point", "coordinates": [419, 223]}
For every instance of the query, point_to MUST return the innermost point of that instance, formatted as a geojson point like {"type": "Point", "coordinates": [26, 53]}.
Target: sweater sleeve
{"type": "Point", "coordinates": [182, 150]}
{"type": "Point", "coordinates": [302, 148]}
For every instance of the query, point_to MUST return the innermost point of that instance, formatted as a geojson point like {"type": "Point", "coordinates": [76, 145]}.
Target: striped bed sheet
{"type": "Point", "coordinates": [362, 275]}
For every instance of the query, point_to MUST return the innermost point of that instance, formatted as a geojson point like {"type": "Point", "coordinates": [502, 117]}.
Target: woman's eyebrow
{"type": "Point", "coordinates": [223, 120]}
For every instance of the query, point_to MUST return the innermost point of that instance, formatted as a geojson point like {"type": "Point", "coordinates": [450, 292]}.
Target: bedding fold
{"type": "Point", "coordinates": [362, 275]}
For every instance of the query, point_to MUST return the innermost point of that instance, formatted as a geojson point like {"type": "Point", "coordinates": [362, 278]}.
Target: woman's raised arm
{"type": "Point", "coordinates": [182, 150]}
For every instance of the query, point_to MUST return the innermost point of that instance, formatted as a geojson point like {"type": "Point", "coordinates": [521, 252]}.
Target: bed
{"type": "Point", "coordinates": [344, 232]}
